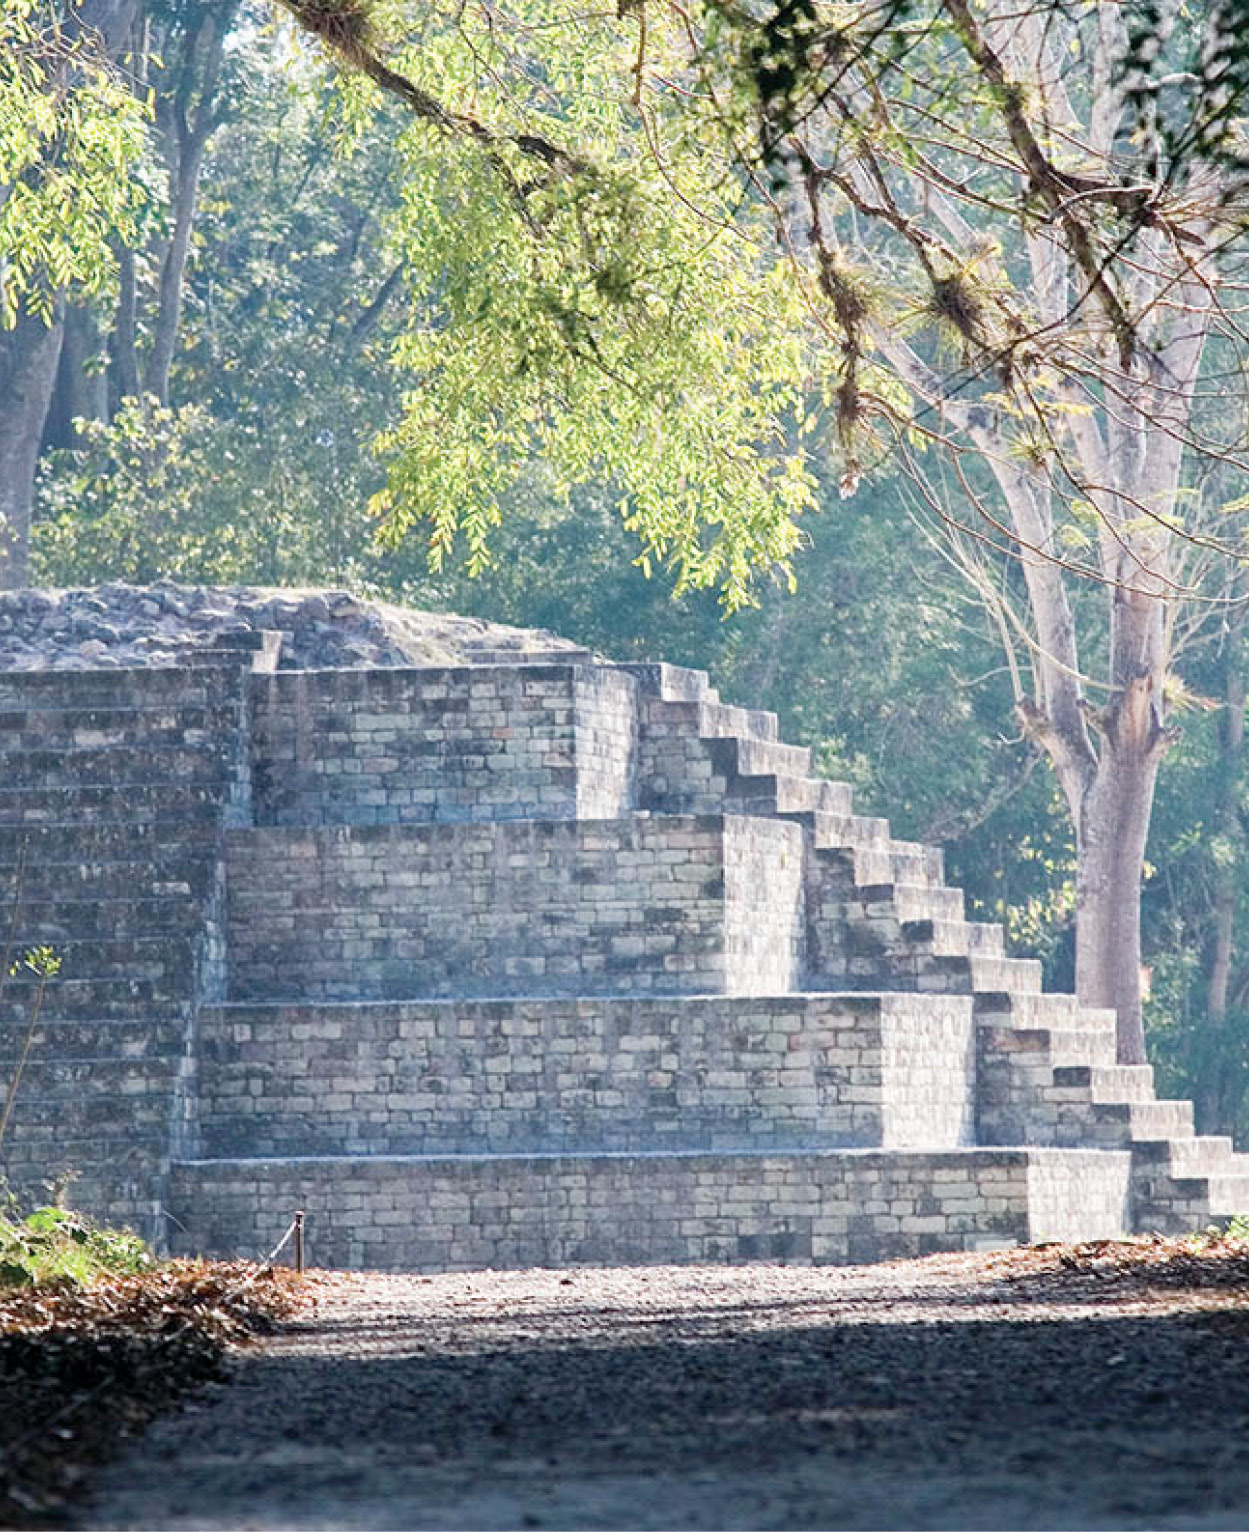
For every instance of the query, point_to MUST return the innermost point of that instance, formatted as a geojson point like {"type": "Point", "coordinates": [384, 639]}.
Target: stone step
{"type": "Point", "coordinates": [114, 765]}
{"type": "Point", "coordinates": [57, 1040]}
{"type": "Point", "coordinates": [950, 938]}
{"type": "Point", "coordinates": [119, 802]}
{"type": "Point", "coordinates": [1203, 1154]}
{"type": "Point", "coordinates": [781, 797]}
{"type": "Point", "coordinates": [669, 683]}
{"type": "Point", "coordinates": [1106, 1082]}
{"type": "Point", "coordinates": [1082, 1045]}
{"type": "Point", "coordinates": [1048, 1047]}
{"type": "Point", "coordinates": [74, 1000]}
{"type": "Point", "coordinates": [163, 723]}
{"type": "Point", "coordinates": [1127, 1121]}
{"type": "Point", "coordinates": [930, 856]}
{"type": "Point", "coordinates": [68, 1083]}
{"type": "Point", "coordinates": [178, 874]}
{"type": "Point", "coordinates": [78, 842]}
{"type": "Point", "coordinates": [556, 655]}
{"type": "Point", "coordinates": [127, 687]}
{"type": "Point", "coordinates": [898, 862]}
{"type": "Point", "coordinates": [810, 795]}
{"type": "Point", "coordinates": [1018, 975]}
{"type": "Point", "coordinates": [928, 904]}
{"type": "Point", "coordinates": [57, 921]}
{"type": "Point", "coordinates": [853, 832]}
{"type": "Point", "coordinates": [1052, 1009]}
{"type": "Point", "coordinates": [1228, 1196]}
{"type": "Point", "coordinates": [937, 938]}
{"type": "Point", "coordinates": [703, 718]}
{"type": "Point", "coordinates": [765, 757]}
{"type": "Point", "coordinates": [124, 1116]}
{"type": "Point", "coordinates": [163, 958]}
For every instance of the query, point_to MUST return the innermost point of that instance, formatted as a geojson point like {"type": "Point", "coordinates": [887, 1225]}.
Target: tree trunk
{"type": "Point", "coordinates": [1219, 1079]}
{"type": "Point", "coordinates": [1112, 827]}
{"type": "Point", "coordinates": [184, 191]}
{"type": "Point", "coordinates": [186, 139]}
{"type": "Point", "coordinates": [81, 391]}
{"type": "Point", "coordinates": [29, 354]}
{"type": "Point", "coordinates": [124, 342]}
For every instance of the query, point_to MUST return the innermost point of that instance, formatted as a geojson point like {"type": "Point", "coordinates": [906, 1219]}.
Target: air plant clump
{"type": "Point", "coordinates": [956, 305]}
{"type": "Point", "coordinates": [851, 306]}
{"type": "Point", "coordinates": [344, 26]}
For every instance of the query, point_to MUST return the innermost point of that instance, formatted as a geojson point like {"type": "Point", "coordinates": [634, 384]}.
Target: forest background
{"type": "Point", "coordinates": [215, 414]}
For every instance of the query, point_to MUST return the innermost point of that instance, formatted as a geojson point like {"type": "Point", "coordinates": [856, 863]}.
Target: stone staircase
{"type": "Point", "coordinates": [537, 960]}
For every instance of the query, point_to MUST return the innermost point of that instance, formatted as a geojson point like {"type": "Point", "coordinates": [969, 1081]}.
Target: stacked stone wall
{"type": "Point", "coordinates": [443, 745]}
{"type": "Point", "coordinates": [622, 906]}
{"type": "Point", "coordinates": [928, 1071]}
{"type": "Point", "coordinates": [451, 1214]}
{"type": "Point", "coordinates": [1074, 1192]}
{"type": "Point", "coordinates": [606, 714]}
{"type": "Point", "coordinates": [113, 788]}
{"type": "Point", "coordinates": [765, 916]}
{"type": "Point", "coordinates": [799, 1071]}
{"type": "Point", "coordinates": [525, 964]}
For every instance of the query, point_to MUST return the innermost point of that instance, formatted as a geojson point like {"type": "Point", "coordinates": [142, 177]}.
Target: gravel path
{"type": "Point", "coordinates": [968, 1391]}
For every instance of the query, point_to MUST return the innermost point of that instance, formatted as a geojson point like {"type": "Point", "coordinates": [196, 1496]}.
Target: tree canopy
{"type": "Point", "coordinates": [72, 137]}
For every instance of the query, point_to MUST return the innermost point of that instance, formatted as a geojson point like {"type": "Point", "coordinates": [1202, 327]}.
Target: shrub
{"type": "Point", "coordinates": [56, 1246]}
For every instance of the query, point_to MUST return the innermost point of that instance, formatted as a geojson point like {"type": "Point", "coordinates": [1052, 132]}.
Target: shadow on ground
{"type": "Point", "coordinates": [1018, 1419]}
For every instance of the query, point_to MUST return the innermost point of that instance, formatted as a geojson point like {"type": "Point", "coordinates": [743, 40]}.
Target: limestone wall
{"type": "Point", "coordinates": [522, 964]}
{"type": "Point", "coordinates": [443, 745]}
{"type": "Point", "coordinates": [475, 1077]}
{"type": "Point", "coordinates": [622, 906]}
{"type": "Point", "coordinates": [113, 788]}
{"type": "Point", "coordinates": [451, 1214]}
{"type": "Point", "coordinates": [1073, 1194]}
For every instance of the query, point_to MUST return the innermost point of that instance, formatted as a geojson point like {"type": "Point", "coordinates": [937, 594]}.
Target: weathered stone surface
{"type": "Point", "coordinates": [833, 1206]}
{"type": "Point", "coordinates": [487, 951]}
{"type": "Point", "coordinates": [108, 626]}
{"type": "Point", "coordinates": [579, 1075]}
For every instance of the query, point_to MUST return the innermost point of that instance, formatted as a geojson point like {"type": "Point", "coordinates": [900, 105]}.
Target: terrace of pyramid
{"type": "Point", "coordinates": [499, 954]}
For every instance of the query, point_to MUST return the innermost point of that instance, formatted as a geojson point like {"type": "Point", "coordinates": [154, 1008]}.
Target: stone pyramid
{"type": "Point", "coordinates": [527, 959]}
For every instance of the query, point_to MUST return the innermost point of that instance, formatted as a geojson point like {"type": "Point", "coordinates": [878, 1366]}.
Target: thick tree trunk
{"type": "Point", "coordinates": [1112, 829]}
{"type": "Point", "coordinates": [1219, 1084]}
{"type": "Point", "coordinates": [29, 354]}
{"type": "Point", "coordinates": [1109, 786]}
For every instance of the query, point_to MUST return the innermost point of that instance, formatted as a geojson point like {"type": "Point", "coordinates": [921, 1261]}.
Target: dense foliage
{"type": "Point", "coordinates": [71, 136]}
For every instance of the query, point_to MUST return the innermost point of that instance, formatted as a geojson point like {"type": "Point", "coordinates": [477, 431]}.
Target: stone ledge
{"type": "Point", "coordinates": [470, 1212]}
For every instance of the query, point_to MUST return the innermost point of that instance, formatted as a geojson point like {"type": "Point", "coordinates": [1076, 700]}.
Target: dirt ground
{"type": "Point", "coordinates": [1035, 1388]}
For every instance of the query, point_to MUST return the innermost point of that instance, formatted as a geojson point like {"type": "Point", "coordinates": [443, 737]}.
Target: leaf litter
{"type": "Point", "coordinates": [82, 1366]}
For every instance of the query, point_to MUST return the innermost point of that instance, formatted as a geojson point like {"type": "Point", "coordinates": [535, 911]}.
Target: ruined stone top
{"type": "Point", "coordinates": [118, 625]}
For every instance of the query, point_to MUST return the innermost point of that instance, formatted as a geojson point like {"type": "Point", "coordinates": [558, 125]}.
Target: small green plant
{"type": "Point", "coordinates": [55, 1246]}
{"type": "Point", "coordinates": [44, 964]}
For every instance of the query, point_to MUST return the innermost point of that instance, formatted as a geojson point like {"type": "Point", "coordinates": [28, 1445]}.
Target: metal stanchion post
{"type": "Point", "coordinates": [299, 1242]}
